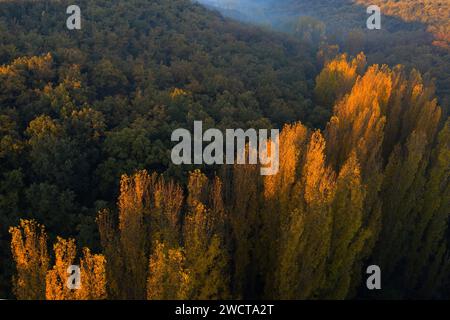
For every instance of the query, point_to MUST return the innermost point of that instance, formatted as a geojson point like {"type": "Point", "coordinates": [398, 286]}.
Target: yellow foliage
{"type": "Point", "coordinates": [133, 204]}
{"type": "Point", "coordinates": [318, 178]}
{"type": "Point", "coordinates": [92, 274]}
{"type": "Point", "coordinates": [29, 251]}
{"type": "Point", "coordinates": [56, 280]}
{"type": "Point", "coordinates": [167, 199]}
{"type": "Point", "coordinates": [178, 93]}
{"type": "Point", "coordinates": [93, 277]}
{"type": "Point", "coordinates": [359, 120]}
{"type": "Point", "coordinates": [337, 79]}
{"type": "Point", "coordinates": [197, 229]}
{"type": "Point", "coordinates": [206, 258]}
{"type": "Point", "coordinates": [168, 278]}
{"type": "Point", "coordinates": [292, 140]}
{"type": "Point", "coordinates": [197, 186]}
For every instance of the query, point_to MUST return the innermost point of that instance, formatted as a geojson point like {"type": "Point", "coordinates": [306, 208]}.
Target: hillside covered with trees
{"type": "Point", "coordinates": [79, 109]}
{"type": "Point", "coordinates": [86, 178]}
{"type": "Point", "coordinates": [413, 33]}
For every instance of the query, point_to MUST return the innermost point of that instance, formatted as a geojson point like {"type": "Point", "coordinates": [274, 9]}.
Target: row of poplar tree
{"type": "Point", "coordinates": [372, 188]}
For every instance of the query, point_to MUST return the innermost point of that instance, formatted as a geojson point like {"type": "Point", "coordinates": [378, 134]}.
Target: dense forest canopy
{"type": "Point", "coordinates": [413, 33]}
{"type": "Point", "coordinates": [79, 109]}
{"type": "Point", "coordinates": [85, 123]}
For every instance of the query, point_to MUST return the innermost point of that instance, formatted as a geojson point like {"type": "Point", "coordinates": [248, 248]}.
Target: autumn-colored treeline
{"type": "Point", "coordinates": [36, 280]}
{"type": "Point", "coordinates": [414, 33]}
{"type": "Point", "coordinates": [372, 188]}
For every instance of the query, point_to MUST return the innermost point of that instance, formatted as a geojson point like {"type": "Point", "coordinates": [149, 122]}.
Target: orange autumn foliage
{"type": "Point", "coordinates": [29, 250]}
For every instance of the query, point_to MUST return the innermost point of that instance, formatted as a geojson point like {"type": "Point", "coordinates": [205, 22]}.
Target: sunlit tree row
{"type": "Point", "coordinates": [372, 188]}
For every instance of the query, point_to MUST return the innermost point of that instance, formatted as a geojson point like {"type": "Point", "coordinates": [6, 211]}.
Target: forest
{"type": "Point", "coordinates": [414, 33]}
{"type": "Point", "coordinates": [86, 177]}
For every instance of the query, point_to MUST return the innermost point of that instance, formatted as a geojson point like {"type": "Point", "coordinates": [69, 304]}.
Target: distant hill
{"type": "Point", "coordinates": [414, 33]}
{"type": "Point", "coordinates": [433, 13]}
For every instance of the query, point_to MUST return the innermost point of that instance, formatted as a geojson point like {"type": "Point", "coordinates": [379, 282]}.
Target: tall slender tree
{"type": "Point", "coordinates": [29, 251]}
{"type": "Point", "coordinates": [206, 257]}
{"type": "Point", "coordinates": [168, 277]}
